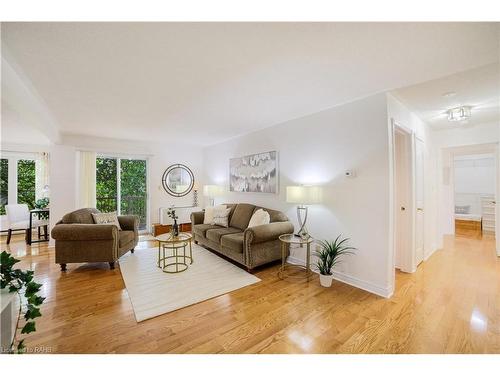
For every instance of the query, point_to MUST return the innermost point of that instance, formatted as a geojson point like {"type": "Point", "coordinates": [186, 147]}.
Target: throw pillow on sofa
{"type": "Point", "coordinates": [106, 218]}
{"type": "Point", "coordinates": [221, 217]}
{"type": "Point", "coordinates": [259, 217]}
{"type": "Point", "coordinates": [209, 213]}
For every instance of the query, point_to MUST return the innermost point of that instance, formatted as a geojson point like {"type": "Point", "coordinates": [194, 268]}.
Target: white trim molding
{"type": "Point", "coordinates": [385, 292]}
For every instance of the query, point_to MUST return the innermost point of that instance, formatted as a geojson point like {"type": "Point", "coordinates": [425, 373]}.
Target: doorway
{"type": "Point", "coordinates": [474, 194]}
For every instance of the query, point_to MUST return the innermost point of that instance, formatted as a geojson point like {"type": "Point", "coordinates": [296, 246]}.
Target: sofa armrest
{"type": "Point", "coordinates": [129, 222]}
{"type": "Point", "coordinates": [267, 232]}
{"type": "Point", "coordinates": [197, 217]}
{"type": "Point", "coordinates": [84, 232]}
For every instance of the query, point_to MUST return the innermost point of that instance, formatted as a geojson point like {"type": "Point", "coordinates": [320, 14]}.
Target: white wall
{"type": "Point", "coordinates": [63, 189]}
{"type": "Point", "coordinates": [160, 155]}
{"type": "Point", "coordinates": [317, 149]}
{"type": "Point", "coordinates": [398, 112]}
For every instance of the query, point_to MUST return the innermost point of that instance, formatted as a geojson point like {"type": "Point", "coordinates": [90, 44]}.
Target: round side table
{"type": "Point", "coordinates": [172, 256]}
{"type": "Point", "coordinates": [286, 241]}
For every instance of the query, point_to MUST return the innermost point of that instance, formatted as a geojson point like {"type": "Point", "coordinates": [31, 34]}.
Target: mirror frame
{"type": "Point", "coordinates": [167, 188]}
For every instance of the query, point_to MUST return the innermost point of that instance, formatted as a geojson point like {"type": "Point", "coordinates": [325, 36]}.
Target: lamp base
{"type": "Point", "coordinates": [302, 233]}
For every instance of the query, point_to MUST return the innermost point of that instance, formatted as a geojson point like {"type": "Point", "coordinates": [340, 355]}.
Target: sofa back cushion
{"type": "Point", "coordinates": [275, 216]}
{"type": "Point", "coordinates": [81, 216]}
{"type": "Point", "coordinates": [241, 215]}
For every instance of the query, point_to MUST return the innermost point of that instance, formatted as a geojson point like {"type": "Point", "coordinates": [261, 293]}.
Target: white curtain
{"type": "Point", "coordinates": [42, 175]}
{"type": "Point", "coordinates": [87, 179]}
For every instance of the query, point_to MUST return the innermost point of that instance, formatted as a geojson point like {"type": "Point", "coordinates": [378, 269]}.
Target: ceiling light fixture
{"type": "Point", "coordinates": [459, 113]}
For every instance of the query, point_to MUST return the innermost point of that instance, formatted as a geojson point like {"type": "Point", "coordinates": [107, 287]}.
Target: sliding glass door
{"type": "Point", "coordinates": [122, 187]}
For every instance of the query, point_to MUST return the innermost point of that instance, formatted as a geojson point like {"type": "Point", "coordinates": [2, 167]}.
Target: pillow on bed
{"type": "Point", "coordinates": [462, 209]}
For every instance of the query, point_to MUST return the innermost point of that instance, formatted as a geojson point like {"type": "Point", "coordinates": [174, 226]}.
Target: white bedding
{"type": "Point", "coordinates": [471, 217]}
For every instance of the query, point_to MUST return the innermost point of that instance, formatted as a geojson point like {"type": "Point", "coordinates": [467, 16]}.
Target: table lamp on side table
{"type": "Point", "coordinates": [211, 191]}
{"type": "Point", "coordinates": [303, 196]}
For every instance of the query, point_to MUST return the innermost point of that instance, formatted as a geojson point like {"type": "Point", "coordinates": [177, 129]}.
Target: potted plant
{"type": "Point", "coordinates": [15, 280]}
{"type": "Point", "coordinates": [328, 255]}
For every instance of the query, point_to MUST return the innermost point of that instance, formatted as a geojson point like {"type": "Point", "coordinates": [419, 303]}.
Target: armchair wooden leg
{"type": "Point", "coordinates": [39, 232]}
{"type": "Point", "coordinates": [111, 265]}
{"type": "Point", "coordinates": [132, 251]}
{"type": "Point", "coordinates": [9, 235]}
{"type": "Point", "coordinates": [63, 267]}
{"type": "Point", "coordinates": [46, 231]}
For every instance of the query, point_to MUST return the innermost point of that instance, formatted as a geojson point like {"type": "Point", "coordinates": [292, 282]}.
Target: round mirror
{"type": "Point", "coordinates": [178, 180]}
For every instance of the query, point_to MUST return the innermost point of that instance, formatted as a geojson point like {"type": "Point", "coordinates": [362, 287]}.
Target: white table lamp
{"type": "Point", "coordinates": [211, 191]}
{"type": "Point", "coordinates": [303, 196]}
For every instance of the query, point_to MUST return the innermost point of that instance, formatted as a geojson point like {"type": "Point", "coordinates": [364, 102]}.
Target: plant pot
{"type": "Point", "coordinates": [326, 280]}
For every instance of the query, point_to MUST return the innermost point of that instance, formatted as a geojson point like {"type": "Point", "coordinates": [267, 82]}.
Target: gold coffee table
{"type": "Point", "coordinates": [172, 257]}
{"type": "Point", "coordinates": [286, 240]}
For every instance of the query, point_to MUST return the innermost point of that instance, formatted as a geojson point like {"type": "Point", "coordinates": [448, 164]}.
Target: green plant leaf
{"type": "Point", "coordinates": [32, 288]}
{"type": "Point", "coordinates": [32, 312]}
{"type": "Point", "coordinates": [29, 327]}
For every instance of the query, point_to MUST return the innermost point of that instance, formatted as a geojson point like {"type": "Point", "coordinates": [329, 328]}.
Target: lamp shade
{"type": "Point", "coordinates": [211, 190]}
{"type": "Point", "coordinates": [303, 194]}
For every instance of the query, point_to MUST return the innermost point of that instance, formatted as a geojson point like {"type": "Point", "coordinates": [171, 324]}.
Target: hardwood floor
{"type": "Point", "coordinates": [450, 305]}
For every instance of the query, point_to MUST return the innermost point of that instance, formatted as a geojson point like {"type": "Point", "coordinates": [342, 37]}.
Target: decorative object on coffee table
{"type": "Point", "coordinates": [171, 214]}
{"type": "Point", "coordinates": [257, 173]}
{"type": "Point", "coordinates": [287, 240]}
{"type": "Point", "coordinates": [172, 257]}
{"type": "Point", "coordinates": [328, 255]}
{"type": "Point", "coordinates": [178, 180]}
{"type": "Point", "coordinates": [303, 195]}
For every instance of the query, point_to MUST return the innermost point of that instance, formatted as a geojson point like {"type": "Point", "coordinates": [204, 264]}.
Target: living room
{"type": "Point", "coordinates": [245, 187]}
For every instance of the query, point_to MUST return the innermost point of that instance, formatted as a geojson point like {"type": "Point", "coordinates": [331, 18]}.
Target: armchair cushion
{"type": "Point", "coordinates": [129, 222]}
{"type": "Point", "coordinates": [84, 232]}
{"type": "Point", "coordinates": [125, 237]}
{"type": "Point", "coordinates": [81, 216]}
{"type": "Point", "coordinates": [267, 232]}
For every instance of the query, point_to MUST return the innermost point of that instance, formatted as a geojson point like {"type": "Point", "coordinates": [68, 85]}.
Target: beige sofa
{"type": "Point", "coordinates": [250, 247]}
{"type": "Point", "coordinates": [79, 240]}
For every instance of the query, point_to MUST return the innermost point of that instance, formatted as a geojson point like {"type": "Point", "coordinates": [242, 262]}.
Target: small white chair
{"type": "Point", "coordinates": [18, 216]}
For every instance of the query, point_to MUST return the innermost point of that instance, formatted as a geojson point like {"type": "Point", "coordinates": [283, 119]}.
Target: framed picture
{"type": "Point", "coordinates": [257, 173]}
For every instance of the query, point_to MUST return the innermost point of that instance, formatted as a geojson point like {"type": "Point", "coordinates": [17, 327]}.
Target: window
{"type": "Point", "coordinates": [121, 185]}
{"type": "Point", "coordinates": [17, 179]}
{"type": "Point", "coordinates": [26, 182]}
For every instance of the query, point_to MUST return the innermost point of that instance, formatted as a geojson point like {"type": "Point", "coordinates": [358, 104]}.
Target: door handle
{"type": "Point", "coordinates": [420, 209]}
{"type": "Point", "coordinates": [403, 208]}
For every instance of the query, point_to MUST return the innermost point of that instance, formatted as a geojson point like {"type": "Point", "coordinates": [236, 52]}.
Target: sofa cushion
{"type": "Point", "coordinates": [201, 229]}
{"type": "Point", "coordinates": [81, 216]}
{"type": "Point", "coordinates": [216, 234]}
{"type": "Point", "coordinates": [241, 216]}
{"type": "Point", "coordinates": [124, 237]}
{"type": "Point", "coordinates": [233, 242]}
{"type": "Point", "coordinates": [275, 216]}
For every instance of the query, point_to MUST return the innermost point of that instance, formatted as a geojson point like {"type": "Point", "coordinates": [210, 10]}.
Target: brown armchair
{"type": "Point", "coordinates": [79, 240]}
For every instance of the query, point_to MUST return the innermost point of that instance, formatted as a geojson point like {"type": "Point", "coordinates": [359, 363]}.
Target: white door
{"type": "Point", "coordinates": [419, 201]}
{"type": "Point", "coordinates": [402, 189]}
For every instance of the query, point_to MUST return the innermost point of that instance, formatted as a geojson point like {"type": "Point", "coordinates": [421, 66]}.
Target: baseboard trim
{"type": "Point", "coordinates": [385, 292]}
{"type": "Point", "coordinates": [430, 253]}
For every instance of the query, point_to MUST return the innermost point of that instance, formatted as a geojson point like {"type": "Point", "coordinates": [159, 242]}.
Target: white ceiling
{"type": "Point", "coordinates": [478, 88]}
{"type": "Point", "coordinates": [207, 82]}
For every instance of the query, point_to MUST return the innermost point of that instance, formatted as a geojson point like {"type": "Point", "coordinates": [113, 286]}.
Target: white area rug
{"type": "Point", "coordinates": [154, 292]}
